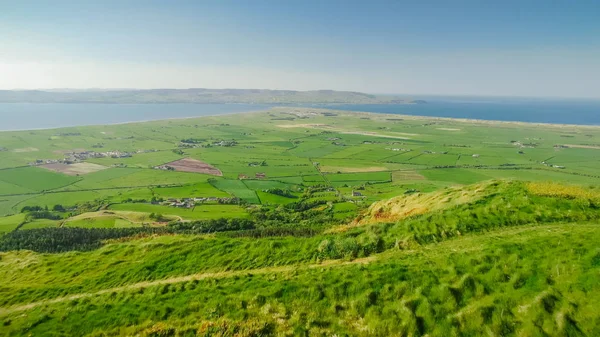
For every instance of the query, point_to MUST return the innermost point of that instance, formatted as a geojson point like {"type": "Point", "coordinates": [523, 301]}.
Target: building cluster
{"type": "Point", "coordinates": [553, 166]}
{"type": "Point", "coordinates": [398, 149]}
{"type": "Point", "coordinates": [523, 145]}
{"type": "Point", "coordinates": [197, 144]}
{"type": "Point", "coordinates": [76, 157]}
{"type": "Point", "coordinates": [190, 145]}
{"type": "Point", "coordinates": [191, 202]}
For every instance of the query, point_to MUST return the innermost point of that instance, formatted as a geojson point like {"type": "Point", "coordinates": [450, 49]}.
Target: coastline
{"type": "Point", "coordinates": [450, 119]}
{"type": "Point", "coordinates": [304, 108]}
{"type": "Point", "coordinates": [135, 122]}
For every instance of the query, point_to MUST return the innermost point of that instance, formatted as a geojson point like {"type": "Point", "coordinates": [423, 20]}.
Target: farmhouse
{"type": "Point", "coordinates": [356, 194]}
{"type": "Point", "coordinates": [260, 175]}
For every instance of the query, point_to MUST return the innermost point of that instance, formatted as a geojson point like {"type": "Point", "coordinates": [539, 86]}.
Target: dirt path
{"type": "Point", "coordinates": [180, 279]}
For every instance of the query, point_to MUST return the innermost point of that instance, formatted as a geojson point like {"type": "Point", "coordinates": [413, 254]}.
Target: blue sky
{"type": "Point", "coordinates": [520, 48]}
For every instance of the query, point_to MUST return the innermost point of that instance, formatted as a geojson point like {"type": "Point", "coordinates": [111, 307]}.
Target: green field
{"type": "Point", "coordinates": [10, 223]}
{"type": "Point", "coordinates": [198, 212]}
{"type": "Point", "coordinates": [101, 222]}
{"type": "Point", "coordinates": [236, 188]}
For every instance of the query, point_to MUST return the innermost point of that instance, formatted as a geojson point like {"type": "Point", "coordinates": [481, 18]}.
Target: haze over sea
{"type": "Point", "coordinates": [26, 116]}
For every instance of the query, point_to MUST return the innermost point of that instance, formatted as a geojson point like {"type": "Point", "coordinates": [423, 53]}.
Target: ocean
{"type": "Point", "coordinates": [26, 116]}
{"type": "Point", "coordinates": [583, 112]}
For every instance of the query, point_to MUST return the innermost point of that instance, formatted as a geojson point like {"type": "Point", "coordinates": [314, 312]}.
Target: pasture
{"type": "Point", "coordinates": [199, 212]}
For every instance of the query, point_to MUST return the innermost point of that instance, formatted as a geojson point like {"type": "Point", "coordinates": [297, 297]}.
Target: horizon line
{"type": "Point", "coordinates": [464, 95]}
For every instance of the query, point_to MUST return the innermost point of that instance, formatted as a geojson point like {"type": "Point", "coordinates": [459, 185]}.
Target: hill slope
{"type": "Point", "coordinates": [500, 258]}
{"type": "Point", "coordinates": [196, 96]}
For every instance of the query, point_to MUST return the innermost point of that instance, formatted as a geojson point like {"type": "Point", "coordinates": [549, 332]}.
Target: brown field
{"type": "Point", "coordinates": [193, 165]}
{"type": "Point", "coordinates": [406, 175]}
{"type": "Point", "coordinates": [74, 169]}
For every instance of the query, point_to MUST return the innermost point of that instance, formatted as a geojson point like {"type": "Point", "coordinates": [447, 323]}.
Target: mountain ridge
{"type": "Point", "coordinates": [198, 95]}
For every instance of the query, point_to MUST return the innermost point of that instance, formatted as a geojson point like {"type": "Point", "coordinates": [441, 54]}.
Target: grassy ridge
{"type": "Point", "coordinates": [47, 276]}
{"type": "Point", "coordinates": [500, 276]}
{"type": "Point", "coordinates": [505, 283]}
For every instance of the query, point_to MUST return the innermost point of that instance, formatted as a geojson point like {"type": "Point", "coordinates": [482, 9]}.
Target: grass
{"type": "Point", "coordinates": [457, 176]}
{"type": "Point", "coordinates": [362, 177]}
{"type": "Point", "coordinates": [41, 223]}
{"type": "Point", "coordinates": [197, 213]}
{"type": "Point", "coordinates": [465, 286]}
{"type": "Point", "coordinates": [35, 179]}
{"type": "Point", "coordinates": [160, 257]}
{"type": "Point", "coordinates": [10, 223]}
{"type": "Point", "coordinates": [259, 185]}
{"type": "Point", "coordinates": [237, 188]}
{"type": "Point", "coordinates": [101, 222]}
{"type": "Point", "coordinates": [269, 198]}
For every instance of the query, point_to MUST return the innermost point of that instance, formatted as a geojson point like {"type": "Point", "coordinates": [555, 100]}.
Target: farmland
{"type": "Point", "coordinates": [258, 224]}
{"type": "Point", "coordinates": [284, 148]}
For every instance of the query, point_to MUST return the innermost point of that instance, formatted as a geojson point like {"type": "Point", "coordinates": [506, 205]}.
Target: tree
{"type": "Point", "coordinates": [59, 208]}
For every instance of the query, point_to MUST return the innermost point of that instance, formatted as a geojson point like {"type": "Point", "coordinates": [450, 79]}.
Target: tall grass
{"type": "Point", "coordinates": [515, 282]}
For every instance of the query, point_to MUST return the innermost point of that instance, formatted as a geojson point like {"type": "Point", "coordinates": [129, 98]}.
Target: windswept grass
{"type": "Point", "coordinates": [517, 282]}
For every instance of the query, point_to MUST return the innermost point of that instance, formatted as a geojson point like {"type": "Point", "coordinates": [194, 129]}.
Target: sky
{"type": "Point", "coordinates": [489, 48]}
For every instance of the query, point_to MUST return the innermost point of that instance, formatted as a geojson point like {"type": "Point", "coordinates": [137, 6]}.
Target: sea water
{"type": "Point", "coordinates": [27, 116]}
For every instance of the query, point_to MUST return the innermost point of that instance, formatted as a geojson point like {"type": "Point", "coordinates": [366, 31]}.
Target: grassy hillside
{"type": "Point", "coordinates": [499, 258]}
{"type": "Point", "coordinates": [508, 282]}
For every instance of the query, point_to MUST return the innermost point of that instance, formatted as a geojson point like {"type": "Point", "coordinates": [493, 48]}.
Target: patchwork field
{"type": "Point", "coordinates": [259, 157]}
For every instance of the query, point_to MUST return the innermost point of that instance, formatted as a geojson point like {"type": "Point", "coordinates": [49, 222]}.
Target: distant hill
{"type": "Point", "coordinates": [248, 96]}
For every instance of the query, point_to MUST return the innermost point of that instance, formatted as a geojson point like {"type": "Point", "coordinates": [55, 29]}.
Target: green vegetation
{"type": "Point", "coordinates": [323, 223]}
